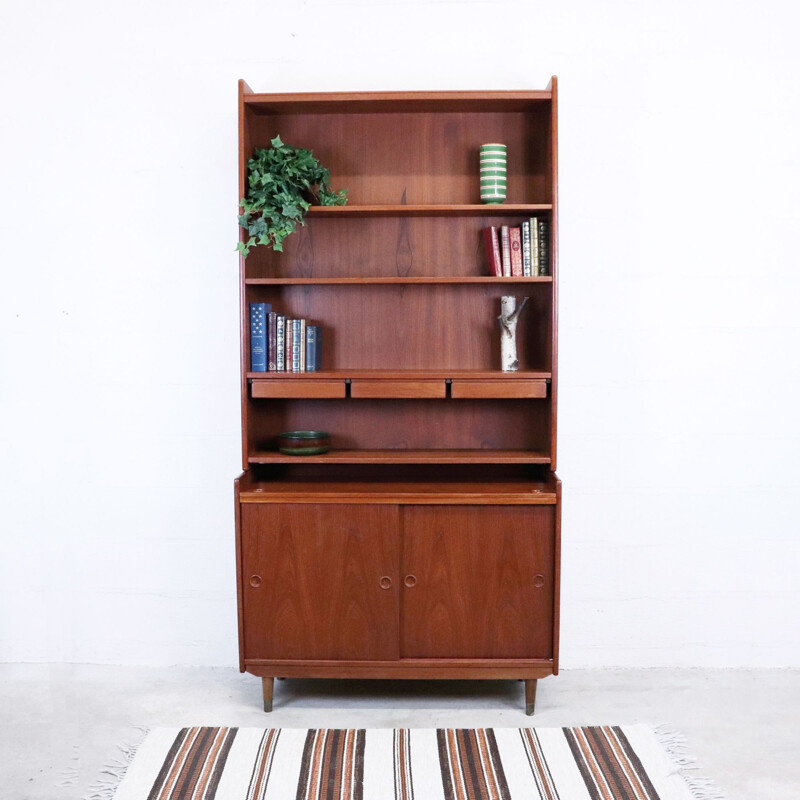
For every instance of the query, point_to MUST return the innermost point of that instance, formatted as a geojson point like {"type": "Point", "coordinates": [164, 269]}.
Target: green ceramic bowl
{"type": "Point", "coordinates": [304, 443]}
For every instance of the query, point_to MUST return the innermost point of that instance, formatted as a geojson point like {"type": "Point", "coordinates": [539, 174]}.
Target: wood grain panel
{"type": "Point", "coordinates": [498, 389]}
{"type": "Point", "coordinates": [311, 577]}
{"type": "Point", "coordinates": [484, 582]}
{"type": "Point", "coordinates": [407, 424]}
{"type": "Point", "coordinates": [397, 389]}
{"type": "Point", "coordinates": [331, 246]}
{"type": "Point", "coordinates": [289, 387]}
{"type": "Point", "coordinates": [416, 327]}
{"type": "Point", "coordinates": [417, 158]}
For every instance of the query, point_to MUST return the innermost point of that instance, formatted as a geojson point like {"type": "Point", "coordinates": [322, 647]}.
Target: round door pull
{"type": "Point", "coordinates": [410, 581]}
{"type": "Point", "coordinates": [255, 581]}
{"type": "Point", "coordinates": [538, 581]}
{"type": "Point", "coordinates": [386, 582]}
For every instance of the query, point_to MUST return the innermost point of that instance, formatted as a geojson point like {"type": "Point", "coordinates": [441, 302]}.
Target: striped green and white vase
{"type": "Point", "coordinates": [493, 173]}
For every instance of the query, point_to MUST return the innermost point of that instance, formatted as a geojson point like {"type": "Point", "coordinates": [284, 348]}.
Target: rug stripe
{"type": "Point", "coordinates": [167, 765]}
{"type": "Point", "coordinates": [636, 763]}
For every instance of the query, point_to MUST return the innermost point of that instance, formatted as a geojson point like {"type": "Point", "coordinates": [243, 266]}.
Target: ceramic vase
{"type": "Point", "coordinates": [493, 173]}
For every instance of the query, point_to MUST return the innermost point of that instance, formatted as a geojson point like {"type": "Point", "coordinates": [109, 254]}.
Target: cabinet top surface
{"type": "Point", "coordinates": [376, 102]}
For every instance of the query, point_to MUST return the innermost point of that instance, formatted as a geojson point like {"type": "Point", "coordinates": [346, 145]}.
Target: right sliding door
{"type": "Point", "coordinates": [477, 581]}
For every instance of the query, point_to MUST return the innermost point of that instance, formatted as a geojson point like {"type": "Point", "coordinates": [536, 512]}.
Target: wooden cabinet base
{"type": "Point", "coordinates": [465, 673]}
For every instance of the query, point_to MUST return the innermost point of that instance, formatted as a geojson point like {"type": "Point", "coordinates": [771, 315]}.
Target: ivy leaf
{"type": "Point", "coordinates": [276, 142]}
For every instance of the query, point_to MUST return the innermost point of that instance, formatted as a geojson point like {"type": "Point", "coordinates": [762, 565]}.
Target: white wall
{"type": "Point", "coordinates": [119, 418]}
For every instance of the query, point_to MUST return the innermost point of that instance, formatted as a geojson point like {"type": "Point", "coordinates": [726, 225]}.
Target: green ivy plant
{"type": "Point", "coordinates": [281, 182]}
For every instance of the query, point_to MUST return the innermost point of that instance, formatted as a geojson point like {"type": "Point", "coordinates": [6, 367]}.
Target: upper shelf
{"type": "Point", "coordinates": [387, 102]}
{"type": "Point", "coordinates": [438, 210]}
{"type": "Point", "coordinates": [396, 280]}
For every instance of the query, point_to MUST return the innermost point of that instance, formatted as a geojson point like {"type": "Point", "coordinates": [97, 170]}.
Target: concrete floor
{"type": "Point", "coordinates": [743, 726]}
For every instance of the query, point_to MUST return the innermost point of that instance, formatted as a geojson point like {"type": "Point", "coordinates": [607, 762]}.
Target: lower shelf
{"type": "Point", "coordinates": [406, 457]}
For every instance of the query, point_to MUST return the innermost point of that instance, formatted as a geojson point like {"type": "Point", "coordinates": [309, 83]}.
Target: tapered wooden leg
{"type": "Point", "coordinates": [530, 696]}
{"type": "Point", "coordinates": [267, 685]}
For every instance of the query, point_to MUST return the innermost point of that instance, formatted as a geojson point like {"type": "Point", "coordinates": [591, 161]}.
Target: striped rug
{"type": "Point", "coordinates": [589, 763]}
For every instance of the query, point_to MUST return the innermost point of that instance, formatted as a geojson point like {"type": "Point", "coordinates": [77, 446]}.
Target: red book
{"type": "Point", "coordinates": [505, 250]}
{"type": "Point", "coordinates": [492, 245]}
{"type": "Point", "coordinates": [515, 242]}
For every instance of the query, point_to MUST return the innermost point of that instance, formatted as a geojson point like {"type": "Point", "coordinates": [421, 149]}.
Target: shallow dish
{"type": "Point", "coordinates": [304, 443]}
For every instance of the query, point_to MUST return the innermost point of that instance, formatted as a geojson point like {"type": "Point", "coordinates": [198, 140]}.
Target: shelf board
{"type": "Point", "coordinates": [436, 210]}
{"type": "Point", "coordinates": [397, 492]}
{"type": "Point", "coordinates": [404, 374]}
{"type": "Point", "coordinates": [480, 279]}
{"type": "Point", "coordinates": [394, 102]}
{"type": "Point", "coordinates": [406, 457]}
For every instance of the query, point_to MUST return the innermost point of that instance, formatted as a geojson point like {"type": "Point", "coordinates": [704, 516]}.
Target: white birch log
{"type": "Point", "coordinates": [509, 316]}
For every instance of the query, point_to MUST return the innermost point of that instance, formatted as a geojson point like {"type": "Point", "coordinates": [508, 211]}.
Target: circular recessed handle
{"type": "Point", "coordinates": [410, 581]}
{"type": "Point", "coordinates": [255, 581]}
{"type": "Point", "coordinates": [538, 581]}
{"type": "Point", "coordinates": [386, 582]}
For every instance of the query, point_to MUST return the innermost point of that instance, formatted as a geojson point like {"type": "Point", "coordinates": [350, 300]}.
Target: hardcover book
{"type": "Point", "coordinates": [302, 345]}
{"type": "Point", "coordinates": [526, 248]}
{"type": "Point", "coordinates": [544, 247]}
{"type": "Point", "coordinates": [515, 243]}
{"type": "Point", "coordinates": [272, 331]}
{"type": "Point", "coordinates": [534, 246]}
{"type": "Point", "coordinates": [258, 336]}
{"type": "Point", "coordinates": [505, 250]}
{"type": "Point", "coordinates": [296, 345]}
{"type": "Point", "coordinates": [311, 348]}
{"type": "Point", "coordinates": [288, 343]}
{"type": "Point", "coordinates": [491, 244]}
{"type": "Point", "coordinates": [280, 343]}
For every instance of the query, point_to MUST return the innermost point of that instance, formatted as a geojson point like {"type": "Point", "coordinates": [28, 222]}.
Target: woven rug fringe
{"type": "Point", "coordinates": [105, 787]}
{"type": "Point", "coordinates": [675, 747]}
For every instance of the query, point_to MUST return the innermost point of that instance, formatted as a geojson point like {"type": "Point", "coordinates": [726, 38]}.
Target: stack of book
{"type": "Point", "coordinates": [283, 344]}
{"type": "Point", "coordinates": [519, 251]}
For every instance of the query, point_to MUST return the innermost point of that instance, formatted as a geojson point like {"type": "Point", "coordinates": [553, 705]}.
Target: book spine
{"type": "Point", "coordinates": [526, 248]}
{"type": "Point", "coordinates": [272, 330]}
{"type": "Point", "coordinates": [318, 351]}
{"type": "Point", "coordinates": [302, 345]}
{"type": "Point", "coordinates": [280, 343]}
{"type": "Point", "coordinates": [296, 345]}
{"type": "Point", "coordinates": [491, 244]}
{"type": "Point", "coordinates": [515, 241]}
{"type": "Point", "coordinates": [505, 250]}
{"type": "Point", "coordinates": [311, 348]}
{"type": "Point", "coordinates": [544, 247]}
{"type": "Point", "coordinates": [534, 246]}
{"type": "Point", "coordinates": [258, 337]}
{"type": "Point", "coordinates": [288, 346]}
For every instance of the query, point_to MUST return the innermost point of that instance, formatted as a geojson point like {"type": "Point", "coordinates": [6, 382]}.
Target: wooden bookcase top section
{"type": "Point", "coordinates": [397, 278]}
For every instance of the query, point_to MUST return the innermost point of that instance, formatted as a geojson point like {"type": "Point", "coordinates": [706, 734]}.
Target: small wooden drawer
{"type": "Point", "coordinates": [397, 389]}
{"type": "Point", "coordinates": [292, 387]}
{"type": "Point", "coordinates": [500, 389]}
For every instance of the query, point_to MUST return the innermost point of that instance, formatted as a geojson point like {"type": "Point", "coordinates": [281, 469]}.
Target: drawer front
{"type": "Point", "coordinates": [397, 389]}
{"type": "Point", "coordinates": [297, 388]}
{"type": "Point", "coordinates": [498, 389]}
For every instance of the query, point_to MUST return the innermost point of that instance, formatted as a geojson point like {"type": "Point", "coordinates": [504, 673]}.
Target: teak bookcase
{"type": "Point", "coordinates": [426, 543]}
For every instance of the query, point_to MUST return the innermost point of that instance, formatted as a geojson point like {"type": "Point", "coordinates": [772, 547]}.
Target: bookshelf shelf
{"type": "Point", "coordinates": [405, 374]}
{"type": "Point", "coordinates": [352, 281]}
{"type": "Point", "coordinates": [426, 541]}
{"type": "Point", "coordinates": [438, 210]}
{"type": "Point", "coordinates": [407, 457]}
